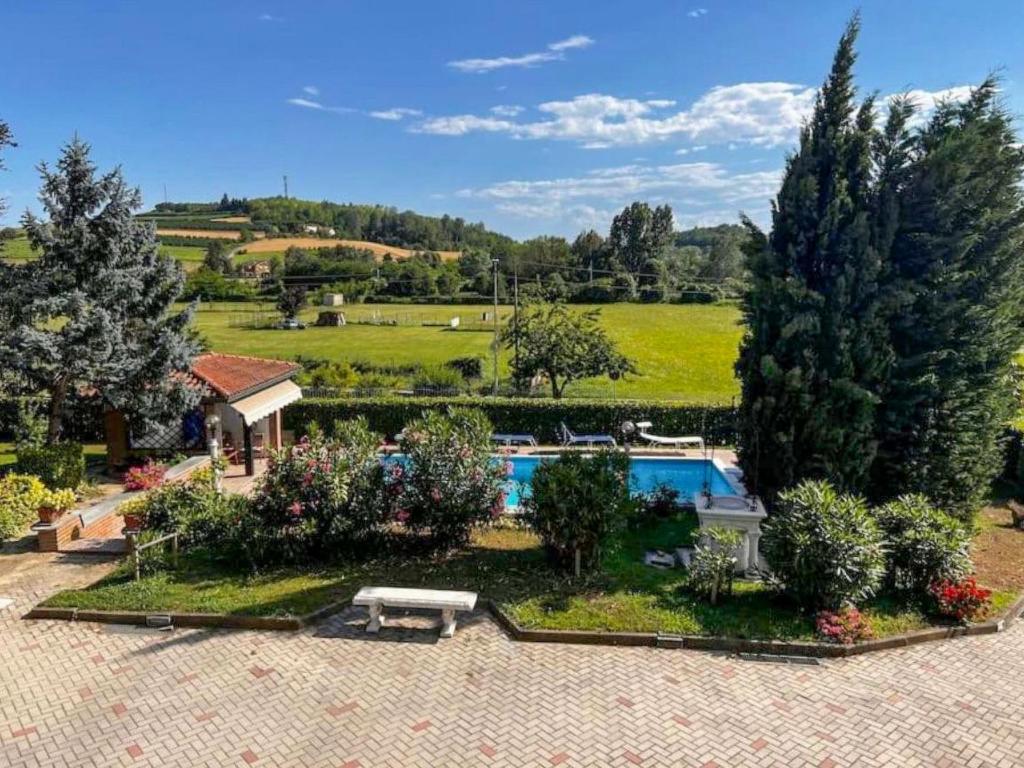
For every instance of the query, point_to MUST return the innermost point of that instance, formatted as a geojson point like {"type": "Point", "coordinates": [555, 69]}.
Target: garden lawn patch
{"type": "Point", "coordinates": [503, 564]}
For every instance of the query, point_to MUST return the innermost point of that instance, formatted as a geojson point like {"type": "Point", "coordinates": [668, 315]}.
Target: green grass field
{"type": "Point", "coordinates": [684, 352]}
{"type": "Point", "coordinates": [189, 256]}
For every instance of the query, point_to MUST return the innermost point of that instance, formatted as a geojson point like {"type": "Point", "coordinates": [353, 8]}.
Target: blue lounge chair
{"type": "Point", "coordinates": [571, 438]}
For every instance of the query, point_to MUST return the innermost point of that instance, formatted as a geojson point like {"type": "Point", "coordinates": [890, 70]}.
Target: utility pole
{"type": "Point", "coordinates": [515, 310]}
{"type": "Point", "coordinates": [286, 186]}
{"type": "Point", "coordinates": [494, 262]}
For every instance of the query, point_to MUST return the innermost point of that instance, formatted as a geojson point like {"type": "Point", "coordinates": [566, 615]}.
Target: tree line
{"type": "Point", "coordinates": [887, 300]}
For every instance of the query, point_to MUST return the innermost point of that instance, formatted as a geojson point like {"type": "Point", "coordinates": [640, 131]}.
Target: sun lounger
{"type": "Point", "coordinates": [675, 442]}
{"type": "Point", "coordinates": [571, 438]}
{"type": "Point", "coordinates": [513, 439]}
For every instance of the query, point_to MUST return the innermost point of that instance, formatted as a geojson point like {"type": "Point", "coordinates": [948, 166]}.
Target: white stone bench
{"type": "Point", "coordinates": [446, 601]}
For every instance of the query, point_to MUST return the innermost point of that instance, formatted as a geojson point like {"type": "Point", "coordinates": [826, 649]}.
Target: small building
{"type": "Point", "coordinates": [334, 300]}
{"type": "Point", "coordinates": [255, 269]}
{"type": "Point", "coordinates": [331, 319]}
{"type": "Point", "coordinates": [246, 394]}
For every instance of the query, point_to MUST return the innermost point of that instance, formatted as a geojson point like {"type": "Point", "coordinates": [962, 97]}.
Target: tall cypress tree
{"type": "Point", "coordinates": [957, 274]}
{"type": "Point", "coordinates": [95, 310]}
{"type": "Point", "coordinates": [815, 354]}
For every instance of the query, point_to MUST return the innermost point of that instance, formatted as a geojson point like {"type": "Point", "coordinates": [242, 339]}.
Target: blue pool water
{"type": "Point", "coordinates": [685, 475]}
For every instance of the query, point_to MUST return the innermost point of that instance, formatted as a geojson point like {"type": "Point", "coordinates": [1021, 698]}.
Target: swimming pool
{"type": "Point", "coordinates": [646, 473]}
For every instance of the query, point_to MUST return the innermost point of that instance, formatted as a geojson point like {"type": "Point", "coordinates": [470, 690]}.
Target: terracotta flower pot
{"type": "Point", "coordinates": [49, 515]}
{"type": "Point", "coordinates": [133, 522]}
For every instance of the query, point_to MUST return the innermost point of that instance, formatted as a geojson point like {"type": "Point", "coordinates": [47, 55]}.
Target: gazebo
{"type": "Point", "coordinates": [245, 394]}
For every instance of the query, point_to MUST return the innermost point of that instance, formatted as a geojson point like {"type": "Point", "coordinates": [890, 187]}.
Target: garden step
{"type": "Point", "coordinates": [96, 546]}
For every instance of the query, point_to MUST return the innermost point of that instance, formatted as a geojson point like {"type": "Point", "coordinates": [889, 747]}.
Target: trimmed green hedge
{"type": "Point", "coordinates": [389, 415]}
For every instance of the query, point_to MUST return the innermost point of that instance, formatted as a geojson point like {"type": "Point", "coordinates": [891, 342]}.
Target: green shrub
{"type": "Point", "coordinates": [539, 417]}
{"type": "Point", "coordinates": [202, 516]}
{"type": "Point", "coordinates": [824, 547]}
{"type": "Point", "coordinates": [20, 498]}
{"type": "Point", "coordinates": [578, 503]}
{"type": "Point", "coordinates": [449, 481]}
{"type": "Point", "coordinates": [61, 465]}
{"type": "Point", "coordinates": [437, 377]}
{"type": "Point", "coordinates": [469, 367]}
{"type": "Point", "coordinates": [713, 565]}
{"type": "Point", "coordinates": [923, 544]}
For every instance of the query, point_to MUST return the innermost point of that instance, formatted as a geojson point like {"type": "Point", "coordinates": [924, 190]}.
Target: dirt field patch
{"type": "Point", "coordinates": [999, 549]}
{"type": "Point", "coordinates": [233, 220]}
{"type": "Point", "coordinates": [283, 243]}
{"type": "Point", "coordinates": [221, 234]}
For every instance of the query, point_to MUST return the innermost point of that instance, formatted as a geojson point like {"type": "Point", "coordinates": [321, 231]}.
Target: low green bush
{"type": "Point", "coordinates": [20, 498]}
{"type": "Point", "coordinates": [61, 465]}
{"type": "Point", "coordinates": [713, 566]}
{"type": "Point", "coordinates": [437, 377]}
{"type": "Point", "coordinates": [201, 515]}
{"type": "Point", "coordinates": [578, 504]}
{"type": "Point", "coordinates": [539, 417]}
{"type": "Point", "coordinates": [922, 545]}
{"type": "Point", "coordinates": [824, 547]}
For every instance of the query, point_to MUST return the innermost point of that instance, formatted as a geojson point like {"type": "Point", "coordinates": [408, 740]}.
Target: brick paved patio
{"type": "Point", "coordinates": [85, 695]}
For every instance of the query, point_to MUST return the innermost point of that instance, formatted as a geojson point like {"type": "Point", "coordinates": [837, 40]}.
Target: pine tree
{"type": "Point", "coordinates": [95, 310]}
{"type": "Point", "coordinates": [957, 278]}
{"type": "Point", "coordinates": [814, 357]}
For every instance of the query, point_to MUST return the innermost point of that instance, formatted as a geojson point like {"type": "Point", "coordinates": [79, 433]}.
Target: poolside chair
{"type": "Point", "coordinates": [674, 442]}
{"type": "Point", "coordinates": [509, 439]}
{"type": "Point", "coordinates": [571, 438]}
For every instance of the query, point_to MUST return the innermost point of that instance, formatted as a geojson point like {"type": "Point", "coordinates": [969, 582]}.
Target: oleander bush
{"type": "Point", "coordinates": [449, 480]}
{"type": "Point", "coordinates": [713, 565]}
{"type": "Point", "coordinates": [824, 547]}
{"type": "Point", "coordinates": [20, 498]}
{"type": "Point", "coordinates": [578, 505]}
{"type": "Point", "coordinates": [922, 545]}
{"type": "Point", "coordinates": [202, 516]}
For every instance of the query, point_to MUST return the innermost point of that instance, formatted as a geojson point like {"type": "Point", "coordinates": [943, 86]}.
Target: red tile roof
{"type": "Point", "coordinates": [233, 375]}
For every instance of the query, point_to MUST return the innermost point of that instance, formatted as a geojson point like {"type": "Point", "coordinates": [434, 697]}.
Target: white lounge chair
{"type": "Point", "coordinates": [571, 438]}
{"type": "Point", "coordinates": [675, 442]}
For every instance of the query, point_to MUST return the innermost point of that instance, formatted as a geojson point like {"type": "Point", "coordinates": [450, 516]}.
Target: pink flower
{"type": "Point", "coordinates": [307, 479]}
{"type": "Point", "coordinates": [435, 494]}
{"type": "Point", "coordinates": [402, 515]}
{"type": "Point", "coordinates": [295, 510]}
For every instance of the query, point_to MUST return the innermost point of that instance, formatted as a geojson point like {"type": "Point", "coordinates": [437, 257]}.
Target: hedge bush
{"type": "Point", "coordinates": [824, 547]}
{"type": "Point", "coordinates": [61, 465]}
{"type": "Point", "coordinates": [539, 417]}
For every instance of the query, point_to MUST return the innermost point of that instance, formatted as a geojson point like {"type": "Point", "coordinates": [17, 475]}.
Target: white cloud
{"type": "Point", "coordinates": [310, 104]}
{"type": "Point", "coordinates": [554, 52]}
{"type": "Point", "coordinates": [312, 90]}
{"type": "Point", "coordinates": [696, 13]}
{"type": "Point", "coordinates": [268, 17]}
{"type": "Point", "coordinates": [396, 113]}
{"type": "Point", "coordinates": [507, 110]}
{"type": "Point", "coordinates": [765, 114]}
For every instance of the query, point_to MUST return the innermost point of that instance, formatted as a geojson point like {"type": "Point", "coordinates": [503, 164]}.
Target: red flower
{"type": "Point", "coordinates": [962, 600]}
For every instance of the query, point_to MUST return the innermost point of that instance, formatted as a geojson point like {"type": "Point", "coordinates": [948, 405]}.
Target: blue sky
{"type": "Point", "coordinates": [534, 117]}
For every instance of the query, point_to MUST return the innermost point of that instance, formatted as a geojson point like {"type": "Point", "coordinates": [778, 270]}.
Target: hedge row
{"type": "Point", "coordinates": [541, 418]}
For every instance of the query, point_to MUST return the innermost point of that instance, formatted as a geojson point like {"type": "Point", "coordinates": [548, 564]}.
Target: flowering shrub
{"type": "Point", "coordinates": [144, 478]}
{"type": "Point", "coordinates": [449, 480]}
{"type": "Point", "coordinates": [578, 504]}
{"type": "Point", "coordinates": [961, 600]}
{"type": "Point", "coordinates": [923, 544]}
{"type": "Point", "coordinates": [201, 515]}
{"type": "Point", "coordinates": [20, 497]}
{"type": "Point", "coordinates": [318, 495]}
{"type": "Point", "coordinates": [845, 626]}
{"type": "Point", "coordinates": [60, 500]}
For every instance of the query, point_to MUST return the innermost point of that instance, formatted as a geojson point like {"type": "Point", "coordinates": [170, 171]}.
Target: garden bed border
{"type": "Point", "coordinates": [576, 637]}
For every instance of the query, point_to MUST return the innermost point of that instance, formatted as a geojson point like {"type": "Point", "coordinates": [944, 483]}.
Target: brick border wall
{"type": "Point", "coordinates": [644, 639]}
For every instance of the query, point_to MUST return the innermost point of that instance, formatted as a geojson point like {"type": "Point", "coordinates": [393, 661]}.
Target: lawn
{"type": "Point", "coordinates": [95, 453]}
{"type": "Point", "coordinates": [683, 351]}
{"type": "Point", "coordinates": [508, 565]}
{"type": "Point", "coordinates": [189, 255]}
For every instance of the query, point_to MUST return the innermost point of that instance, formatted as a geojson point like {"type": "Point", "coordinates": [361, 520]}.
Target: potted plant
{"type": "Point", "coordinates": [53, 504]}
{"type": "Point", "coordinates": [134, 513]}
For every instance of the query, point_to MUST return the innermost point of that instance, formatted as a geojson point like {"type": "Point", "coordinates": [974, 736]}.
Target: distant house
{"type": "Point", "coordinates": [311, 229]}
{"type": "Point", "coordinates": [334, 300]}
{"type": "Point", "coordinates": [316, 229]}
{"type": "Point", "coordinates": [246, 394]}
{"type": "Point", "coordinates": [255, 269]}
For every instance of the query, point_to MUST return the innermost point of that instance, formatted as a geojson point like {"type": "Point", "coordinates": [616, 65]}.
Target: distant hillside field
{"type": "Point", "coordinates": [222, 234]}
{"type": "Point", "coordinates": [190, 256]}
{"type": "Point", "coordinates": [277, 244]}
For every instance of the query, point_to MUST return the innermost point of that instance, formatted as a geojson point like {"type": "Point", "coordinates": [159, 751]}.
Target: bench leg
{"type": "Point", "coordinates": [376, 618]}
{"type": "Point", "coordinates": [447, 622]}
